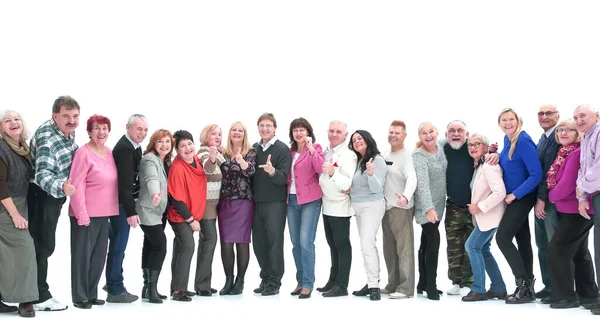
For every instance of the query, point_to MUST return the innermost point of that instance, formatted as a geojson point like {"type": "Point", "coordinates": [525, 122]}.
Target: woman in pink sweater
{"type": "Point", "coordinates": [568, 255]}
{"type": "Point", "coordinates": [94, 176]}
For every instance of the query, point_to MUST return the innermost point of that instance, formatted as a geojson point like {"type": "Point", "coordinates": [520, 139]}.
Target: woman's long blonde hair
{"type": "Point", "coordinates": [229, 151]}
{"type": "Point", "coordinates": [515, 136]}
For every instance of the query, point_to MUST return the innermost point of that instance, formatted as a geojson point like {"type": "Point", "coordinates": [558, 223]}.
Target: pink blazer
{"type": "Point", "coordinates": [488, 192]}
{"type": "Point", "coordinates": [306, 175]}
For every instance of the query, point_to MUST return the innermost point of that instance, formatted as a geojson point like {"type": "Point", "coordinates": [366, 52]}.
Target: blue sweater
{"type": "Point", "coordinates": [523, 173]}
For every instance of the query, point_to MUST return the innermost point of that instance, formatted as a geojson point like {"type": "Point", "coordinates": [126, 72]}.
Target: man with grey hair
{"type": "Point", "coordinates": [52, 147]}
{"type": "Point", "coordinates": [127, 154]}
{"type": "Point", "coordinates": [546, 219]}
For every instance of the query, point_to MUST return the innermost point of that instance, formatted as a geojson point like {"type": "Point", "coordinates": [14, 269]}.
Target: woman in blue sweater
{"type": "Point", "coordinates": [522, 172]}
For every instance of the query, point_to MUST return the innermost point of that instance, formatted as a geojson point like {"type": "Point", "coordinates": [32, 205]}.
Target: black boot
{"type": "Point", "coordinates": [422, 275]}
{"type": "Point", "coordinates": [228, 284]}
{"type": "Point", "coordinates": [161, 296]}
{"type": "Point", "coordinates": [153, 295]}
{"type": "Point", "coordinates": [145, 288]}
{"type": "Point", "coordinates": [522, 294]}
{"type": "Point", "coordinates": [238, 287]}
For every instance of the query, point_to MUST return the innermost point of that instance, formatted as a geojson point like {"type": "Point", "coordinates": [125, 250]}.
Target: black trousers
{"type": "Point", "coordinates": [89, 245]}
{"type": "Point", "coordinates": [147, 245]}
{"type": "Point", "coordinates": [44, 211]}
{"type": "Point", "coordinates": [428, 255]}
{"type": "Point", "coordinates": [569, 259]}
{"type": "Point", "coordinates": [154, 249]}
{"type": "Point", "coordinates": [183, 252]}
{"type": "Point", "coordinates": [515, 224]}
{"type": "Point", "coordinates": [267, 240]}
{"type": "Point", "coordinates": [337, 233]}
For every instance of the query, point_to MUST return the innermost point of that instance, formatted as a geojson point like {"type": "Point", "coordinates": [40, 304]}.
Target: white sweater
{"type": "Point", "coordinates": [336, 203]}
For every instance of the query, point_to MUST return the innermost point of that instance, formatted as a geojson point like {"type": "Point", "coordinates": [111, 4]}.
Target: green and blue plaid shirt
{"type": "Point", "coordinates": [52, 156]}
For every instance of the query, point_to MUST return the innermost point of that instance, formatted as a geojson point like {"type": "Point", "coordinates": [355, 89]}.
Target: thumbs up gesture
{"type": "Point", "coordinates": [328, 167]}
{"type": "Point", "coordinates": [268, 167]}
{"type": "Point", "coordinates": [156, 198]}
{"type": "Point", "coordinates": [212, 153]}
{"type": "Point", "coordinates": [370, 168]}
{"type": "Point", "coordinates": [402, 201]}
{"type": "Point", "coordinates": [240, 159]}
{"type": "Point", "coordinates": [68, 188]}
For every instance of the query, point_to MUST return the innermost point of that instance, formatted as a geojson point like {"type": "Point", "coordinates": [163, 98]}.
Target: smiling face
{"type": "Point", "coordinates": [567, 133]}
{"type": "Point", "coordinates": [585, 118]}
{"type": "Point", "coordinates": [396, 137]}
{"type": "Point", "coordinates": [186, 150]}
{"type": "Point", "coordinates": [138, 131]}
{"type": "Point", "coordinates": [476, 148]}
{"type": "Point", "coordinates": [428, 135]}
{"type": "Point", "coordinates": [236, 134]}
{"type": "Point", "coordinates": [99, 133]}
{"type": "Point", "coordinates": [266, 129]}
{"type": "Point", "coordinates": [456, 134]}
{"type": "Point", "coordinates": [12, 126]}
{"type": "Point", "coordinates": [66, 120]}
{"type": "Point", "coordinates": [214, 139]}
{"type": "Point", "coordinates": [359, 144]}
{"type": "Point", "coordinates": [299, 134]}
{"type": "Point", "coordinates": [163, 146]}
{"type": "Point", "coordinates": [509, 123]}
{"type": "Point", "coordinates": [336, 134]}
{"type": "Point", "coordinates": [547, 116]}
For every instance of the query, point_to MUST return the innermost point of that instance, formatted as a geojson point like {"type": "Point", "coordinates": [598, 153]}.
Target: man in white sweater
{"type": "Point", "coordinates": [335, 181]}
{"type": "Point", "coordinates": [397, 223]}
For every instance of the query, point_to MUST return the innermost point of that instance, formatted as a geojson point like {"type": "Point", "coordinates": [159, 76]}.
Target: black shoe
{"type": "Point", "coordinates": [327, 287]}
{"type": "Point", "coordinates": [296, 291]}
{"type": "Point", "coordinates": [496, 295]}
{"type": "Point", "coordinates": [204, 293]}
{"type": "Point", "coordinates": [4, 308]}
{"type": "Point", "coordinates": [212, 290]}
{"type": "Point", "coordinates": [260, 288]}
{"type": "Point", "coordinates": [561, 304]}
{"type": "Point", "coordinates": [374, 294]}
{"type": "Point", "coordinates": [305, 296]}
{"type": "Point", "coordinates": [96, 302]}
{"type": "Point", "coordinates": [228, 285]}
{"type": "Point", "coordinates": [595, 311]}
{"type": "Point", "coordinates": [238, 286]}
{"type": "Point", "coordinates": [83, 305]}
{"type": "Point", "coordinates": [590, 303]}
{"type": "Point", "coordinates": [336, 291]}
{"type": "Point", "coordinates": [420, 291]}
{"type": "Point", "coordinates": [545, 292]}
{"type": "Point", "coordinates": [547, 300]}
{"type": "Point", "coordinates": [434, 294]}
{"type": "Point", "coordinates": [181, 296]}
{"type": "Point", "coordinates": [523, 293]}
{"type": "Point", "coordinates": [473, 296]}
{"type": "Point", "coordinates": [191, 293]}
{"type": "Point", "coordinates": [26, 310]}
{"type": "Point", "coordinates": [270, 291]}
{"type": "Point", "coordinates": [362, 292]}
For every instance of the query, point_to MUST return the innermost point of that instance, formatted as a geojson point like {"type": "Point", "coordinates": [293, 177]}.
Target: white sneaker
{"type": "Point", "coordinates": [454, 290]}
{"type": "Point", "coordinates": [397, 295]}
{"type": "Point", "coordinates": [464, 291]}
{"type": "Point", "coordinates": [50, 305]}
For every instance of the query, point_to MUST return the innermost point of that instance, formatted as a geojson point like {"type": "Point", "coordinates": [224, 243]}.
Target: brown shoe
{"type": "Point", "coordinates": [26, 310]}
{"type": "Point", "coordinates": [4, 308]}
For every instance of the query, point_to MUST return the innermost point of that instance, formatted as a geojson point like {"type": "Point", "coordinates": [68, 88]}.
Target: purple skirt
{"type": "Point", "coordinates": [235, 220]}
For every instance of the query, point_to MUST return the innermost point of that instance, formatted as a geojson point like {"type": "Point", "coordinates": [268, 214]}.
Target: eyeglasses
{"type": "Point", "coordinates": [565, 130]}
{"type": "Point", "coordinates": [547, 113]}
{"type": "Point", "coordinates": [454, 131]}
{"type": "Point", "coordinates": [265, 126]}
{"type": "Point", "coordinates": [474, 145]}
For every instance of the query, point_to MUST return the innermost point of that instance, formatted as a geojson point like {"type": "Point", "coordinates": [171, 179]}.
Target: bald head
{"type": "Point", "coordinates": [548, 116]}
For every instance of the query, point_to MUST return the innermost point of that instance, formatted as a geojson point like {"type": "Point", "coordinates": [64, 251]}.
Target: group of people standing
{"type": "Point", "coordinates": [250, 191]}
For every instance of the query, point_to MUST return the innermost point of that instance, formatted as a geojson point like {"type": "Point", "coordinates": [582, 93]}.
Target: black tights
{"type": "Point", "coordinates": [228, 258]}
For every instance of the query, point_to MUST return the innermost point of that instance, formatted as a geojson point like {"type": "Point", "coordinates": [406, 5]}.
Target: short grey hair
{"type": "Point", "coordinates": [457, 121]}
{"type": "Point", "coordinates": [477, 135]}
{"type": "Point", "coordinates": [9, 112]}
{"type": "Point", "coordinates": [335, 121]}
{"type": "Point", "coordinates": [592, 109]}
{"type": "Point", "coordinates": [135, 117]}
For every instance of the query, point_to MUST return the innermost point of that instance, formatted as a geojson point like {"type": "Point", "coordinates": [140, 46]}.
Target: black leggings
{"type": "Point", "coordinates": [154, 249]}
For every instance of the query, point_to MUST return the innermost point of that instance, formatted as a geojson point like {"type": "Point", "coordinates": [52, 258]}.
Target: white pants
{"type": "Point", "coordinates": [368, 220]}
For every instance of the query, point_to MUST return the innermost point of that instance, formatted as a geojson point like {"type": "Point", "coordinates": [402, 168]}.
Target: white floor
{"type": "Point", "coordinates": [249, 304]}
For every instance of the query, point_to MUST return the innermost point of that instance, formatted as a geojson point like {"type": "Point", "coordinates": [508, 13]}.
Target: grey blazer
{"type": "Point", "coordinates": [153, 179]}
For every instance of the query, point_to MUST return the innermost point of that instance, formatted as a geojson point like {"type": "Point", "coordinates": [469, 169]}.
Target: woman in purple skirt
{"type": "Point", "coordinates": [236, 210]}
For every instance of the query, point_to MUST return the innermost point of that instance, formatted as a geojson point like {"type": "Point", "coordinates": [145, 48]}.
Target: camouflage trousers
{"type": "Point", "coordinates": [459, 225]}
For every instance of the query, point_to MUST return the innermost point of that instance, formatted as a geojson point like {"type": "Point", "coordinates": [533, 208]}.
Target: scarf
{"type": "Point", "coordinates": [479, 162]}
{"type": "Point", "coordinates": [188, 185]}
{"type": "Point", "coordinates": [563, 153]}
{"type": "Point", "coordinates": [19, 148]}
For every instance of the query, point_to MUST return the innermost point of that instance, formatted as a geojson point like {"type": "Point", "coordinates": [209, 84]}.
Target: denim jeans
{"type": "Point", "coordinates": [482, 261]}
{"type": "Point", "coordinates": [118, 236]}
{"type": "Point", "coordinates": [302, 223]}
{"type": "Point", "coordinates": [544, 230]}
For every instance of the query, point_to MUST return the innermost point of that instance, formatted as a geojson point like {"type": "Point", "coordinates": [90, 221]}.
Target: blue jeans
{"type": "Point", "coordinates": [302, 223]}
{"type": "Point", "coordinates": [544, 230]}
{"type": "Point", "coordinates": [118, 235]}
{"type": "Point", "coordinates": [482, 260]}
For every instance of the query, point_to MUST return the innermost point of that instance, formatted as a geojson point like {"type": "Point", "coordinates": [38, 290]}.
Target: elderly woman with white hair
{"type": "Point", "coordinates": [18, 277]}
{"type": "Point", "coordinates": [487, 207]}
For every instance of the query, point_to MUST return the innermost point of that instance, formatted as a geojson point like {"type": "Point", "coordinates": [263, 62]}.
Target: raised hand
{"type": "Point", "coordinates": [309, 145]}
{"type": "Point", "coordinates": [156, 198]}
{"type": "Point", "coordinates": [240, 159]}
{"type": "Point", "coordinates": [328, 167]}
{"type": "Point", "coordinates": [268, 167]}
{"type": "Point", "coordinates": [68, 188]}
{"type": "Point", "coordinates": [402, 201]}
{"type": "Point", "coordinates": [212, 153]}
{"type": "Point", "coordinates": [370, 168]}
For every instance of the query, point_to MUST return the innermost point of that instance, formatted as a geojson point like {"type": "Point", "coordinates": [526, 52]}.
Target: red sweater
{"type": "Point", "coordinates": [188, 185]}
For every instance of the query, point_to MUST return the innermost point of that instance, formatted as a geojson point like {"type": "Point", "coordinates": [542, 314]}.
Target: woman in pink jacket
{"type": "Point", "coordinates": [304, 202]}
{"type": "Point", "coordinates": [568, 255]}
{"type": "Point", "coordinates": [487, 207]}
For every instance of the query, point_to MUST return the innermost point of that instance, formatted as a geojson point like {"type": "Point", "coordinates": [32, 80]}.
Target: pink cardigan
{"type": "Point", "coordinates": [563, 194]}
{"type": "Point", "coordinates": [95, 181]}
{"type": "Point", "coordinates": [306, 175]}
{"type": "Point", "coordinates": [488, 193]}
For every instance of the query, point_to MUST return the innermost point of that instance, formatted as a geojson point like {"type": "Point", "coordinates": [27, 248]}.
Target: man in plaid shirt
{"type": "Point", "coordinates": [52, 148]}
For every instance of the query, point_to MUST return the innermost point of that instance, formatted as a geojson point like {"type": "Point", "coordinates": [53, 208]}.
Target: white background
{"type": "Point", "coordinates": [185, 64]}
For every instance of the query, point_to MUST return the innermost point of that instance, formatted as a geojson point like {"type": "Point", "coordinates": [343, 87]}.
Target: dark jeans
{"type": "Point", "coordinates": [44, 211]}
{"type": "Point", "coordinates": [514, 224]}
{"type": "Point", "coordinates": [154, 249]}
{"type": "Point", "coordinates": [206, 251]}
{"type": "Point", "coordinates": [570, 260]}
{"type": "Point", "coordinates": [544, 229]}
{"type": "Point", "coordinates": [337, 233]}
{"type": "Point", "coordinates": [88, 255]}
{"type": "Point", "coordinates": [118, 236]}
{"type": "Point", "coordinates": [428, 255]}
{"type": "Point", "coordinates": [267, 240]}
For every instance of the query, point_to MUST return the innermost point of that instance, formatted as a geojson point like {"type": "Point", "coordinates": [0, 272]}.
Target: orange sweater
{"type": "Point", "coordinates": [188, 185]}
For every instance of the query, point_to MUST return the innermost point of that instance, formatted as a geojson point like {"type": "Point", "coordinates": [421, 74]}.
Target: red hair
{"type": "Point", "coordinates": [101, 120]}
